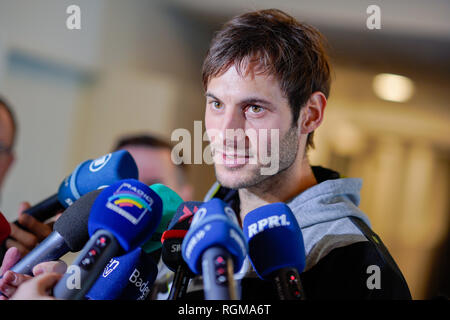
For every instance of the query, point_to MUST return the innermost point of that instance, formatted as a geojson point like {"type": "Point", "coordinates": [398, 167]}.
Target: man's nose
{"type": "Point", "coordinates": [233, 128]}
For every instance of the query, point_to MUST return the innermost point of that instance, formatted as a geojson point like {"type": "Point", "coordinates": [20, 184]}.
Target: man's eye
{"type": "Point", "coordinates": [216, 105]}
{"type": "Point", "coordinates": [255, 109]}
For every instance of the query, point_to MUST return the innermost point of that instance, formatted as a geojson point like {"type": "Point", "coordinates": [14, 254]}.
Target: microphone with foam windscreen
{"type": "Point", "coordinates": [171, 201]}
{"type": "Point", "coordinates": [276, 248]}
{"type": "Point", "coordinates": [5, 228]}
{"type": "Point", "coordinates": [70, 233]}
{"type": "Point", "coordinates": [122, 218]}
{"type": "Point", "coordinates": [215, 246]}
{"type": "Point", "coordinates": [130, 276]}
{"type": "Point", "coordinates": [87, 176]}
{"type": "Point", "coordinates": [171, 241]}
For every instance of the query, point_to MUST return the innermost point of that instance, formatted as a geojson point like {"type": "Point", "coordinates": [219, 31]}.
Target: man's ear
{"type": "Point", "coordinates": [311, 115]}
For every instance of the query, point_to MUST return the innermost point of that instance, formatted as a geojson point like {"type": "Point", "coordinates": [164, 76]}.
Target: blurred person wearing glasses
{"type": "Point", "coordinates": [8, 128]}
{"type": "Point", "coordinates": [30, 232]}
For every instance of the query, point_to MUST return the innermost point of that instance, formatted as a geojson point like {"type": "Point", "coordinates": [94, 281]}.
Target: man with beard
{"type": "Point", "coordinates": [267, 73]}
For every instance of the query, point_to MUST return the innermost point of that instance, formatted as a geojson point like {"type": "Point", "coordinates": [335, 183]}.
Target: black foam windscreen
{"type": "Point", "coordinates": [72, 225]}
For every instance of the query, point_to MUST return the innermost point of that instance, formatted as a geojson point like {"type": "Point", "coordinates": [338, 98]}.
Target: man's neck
{"type": "Point", "coordinates": [278, 188]}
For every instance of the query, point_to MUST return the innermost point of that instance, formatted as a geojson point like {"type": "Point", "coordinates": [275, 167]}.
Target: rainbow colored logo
{"type": "Point", "coordinates": [129, 205]}
{"type": "Point", "coordinates": [125, 199]}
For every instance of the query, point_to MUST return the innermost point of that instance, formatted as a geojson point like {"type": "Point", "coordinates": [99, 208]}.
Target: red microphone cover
{"type": "Point", "coordinates": [5, 229]}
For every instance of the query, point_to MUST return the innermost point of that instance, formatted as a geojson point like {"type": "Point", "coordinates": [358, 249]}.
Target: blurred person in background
{"type": "Point", "coordinates": [8, 132]}
{"type": "Point", "coordinates": [31, 231]}
{"type": "Point", "coordinates": [25, 237]}
{"type": "Point", "coordinates": [153, 159]}
{"type": "Point", "coordinates": [8, 129]}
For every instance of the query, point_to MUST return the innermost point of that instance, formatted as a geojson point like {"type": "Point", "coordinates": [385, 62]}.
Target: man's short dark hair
{"type": "Point", "coordinates": [293, 52]}
{"type": "Point", "coordinates": [144, 140]}
{"type": "Point", "coordinates": [155, 142]}
{"type": "Point", "coordinates": [5, 105]}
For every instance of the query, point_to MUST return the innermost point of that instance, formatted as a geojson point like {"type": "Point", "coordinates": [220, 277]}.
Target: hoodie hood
{"type": "Point", "coordinates": [323, 212]}
{"type": "Point", "coordinates": [328, 201]}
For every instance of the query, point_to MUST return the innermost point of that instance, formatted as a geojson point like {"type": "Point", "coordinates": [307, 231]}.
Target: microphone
{"type": "Point", "coordinates": [124, 268]}
{"type": "Point", "coordinates": [276, 248]}
{"type": "Point", "coordinates": [70, 234]}
{"type": "Point", "coordinates": [215, 246]}
{"type": "Point", "coordinates": [171, 241]}
{"type": "Point", "coordinates": [171, 201]}
{"type": "Point", "coordinates": [128, 277]}
{"type": "Point", "coordinates": [87, 176]}
{"type": "Point", "coordinates": [5, 228]}
{"type": "Point", "coordinates": [122, 218]}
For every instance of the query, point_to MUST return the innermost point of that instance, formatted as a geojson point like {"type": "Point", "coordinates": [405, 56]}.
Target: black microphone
{"type": "Point", "coordinates": [70, 234]}
{"type": "Point", "coordinates": [171, 240]}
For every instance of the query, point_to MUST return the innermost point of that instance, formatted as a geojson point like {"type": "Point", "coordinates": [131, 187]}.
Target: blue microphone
{"type": "Point", "coordinates": [125, 272]}
{"type": "Point", "coordinates": [87, 176]}
{"type": "Point", "coordinates": [276, 248]}
{"type": "Point", "coordinates": [128, 277]}
{"type": "Point", "coordinates": [214, 247]}
{"type": "Point", "coordinates": [172, 240]}
{"type": "Point", "coordinates": [122, 218]}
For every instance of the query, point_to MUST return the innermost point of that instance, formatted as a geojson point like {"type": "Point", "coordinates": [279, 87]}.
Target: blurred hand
{"type": "Point", "coordinates": [11, 281]}
{"type": "Point", "coordinates": [26, 240]}
{"type": "Point", "coordinates": [11, 257]}
{"type": "Point", "coordinates": [38, 288]}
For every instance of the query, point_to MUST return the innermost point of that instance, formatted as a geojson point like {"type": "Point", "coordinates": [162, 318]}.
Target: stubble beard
{"type": "Point", "coordinates": [253, 179]}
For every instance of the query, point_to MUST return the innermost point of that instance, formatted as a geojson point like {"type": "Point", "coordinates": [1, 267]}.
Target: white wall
{"type": "Point", "coordinates": [39, 28]}
{"type": "Point", "coordinates": [45, 103]}
{"type": "Point", "coordinates": [75, 91]}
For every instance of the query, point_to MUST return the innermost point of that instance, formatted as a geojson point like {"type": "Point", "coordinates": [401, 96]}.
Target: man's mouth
{"type": "Point", "coordinates": [235, 159]}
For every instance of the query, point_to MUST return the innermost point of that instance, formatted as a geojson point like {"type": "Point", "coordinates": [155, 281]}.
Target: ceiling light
{"type": "Point", "coordinates": [393, 87]}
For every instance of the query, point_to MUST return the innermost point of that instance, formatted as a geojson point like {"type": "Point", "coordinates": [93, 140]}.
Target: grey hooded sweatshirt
{"type": "Point", "coordinates": [345, 259]}
{"type": "Point", "coordinates": [323, 212]}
